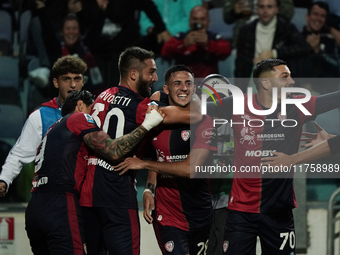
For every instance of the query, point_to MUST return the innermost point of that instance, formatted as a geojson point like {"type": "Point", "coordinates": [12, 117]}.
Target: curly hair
{"type": "Point", "coordinates": [68, 64]}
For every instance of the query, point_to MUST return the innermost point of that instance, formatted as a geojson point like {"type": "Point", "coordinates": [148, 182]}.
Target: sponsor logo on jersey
{"type": "Point", "coordinates": [231, 199]}
{"type": "Point", "coordinates": [175, 158]}
{"type": "Point", "coordinates": [259, 153]}
{"type": "Point", "coordinates": [169, 246]}
{"type": "Point", "coordinates": [185, 135]}
{"type": "Point", "coordinates": [207, 133]}
{"type": "Point", "coordinates": [270, 137]}
{"type": "Point", "coordinates": [41, 181]}
{"type": "Point", "coordinates": [248, 136]}
{"type": "Point", "coordinates": [159, 217]}
{"type": "Point", "coordinates": [100, 162]}
{"type": "Point", "coordinates": [225, 245]}
{"type": "Point", "coordinates": [88, 118]}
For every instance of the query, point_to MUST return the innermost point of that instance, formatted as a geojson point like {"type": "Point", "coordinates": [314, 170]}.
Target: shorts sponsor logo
{"type": "Point", "coordinates": [169, 246]}
{"type": "Point", "coordinates": [225, 245]}
{"type": "Point", "coordinates": [185, 135]}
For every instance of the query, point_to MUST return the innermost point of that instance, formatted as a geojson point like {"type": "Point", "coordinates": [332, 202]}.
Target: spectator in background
{"type": "Point", "coordinates": [197, 48]}
{"type": "Point", "coordinates": [68, 75]}
{"type": "Point", "coordinates": [55, 11]}
{"type": "Point", "coordinates": [70, 43]}
{"type": "Point", "coordinates": [269, 36]}
{"type": "Point", "coordinates": [119, 28]}
{"type": "Point", "coordinates": [324, 42]}
{"type": "Point", "coordinates": [242, 12]}
{"type": "Point", "coordinates": [175, 15]}
{"type": "Point", "coordinates": [58, 9]}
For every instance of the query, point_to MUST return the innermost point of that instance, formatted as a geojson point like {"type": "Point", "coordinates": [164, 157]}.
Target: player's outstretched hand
{"type": "Point", "coordinates": [130, 163]}
{"type": "Point", "coordinates": [280, 159]}
{"type": "Point", "coordinates": [149, 203]}
{"type": "Point", "coordinates": [312, 139]}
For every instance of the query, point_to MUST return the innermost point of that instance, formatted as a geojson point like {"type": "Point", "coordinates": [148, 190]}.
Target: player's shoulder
{"type": "Point", "coordinates": [80, 116]}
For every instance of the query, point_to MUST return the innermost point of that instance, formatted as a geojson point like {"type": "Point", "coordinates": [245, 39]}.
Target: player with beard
{"type": "Point", "coordinates": [182, 207]}
{"type": "Point", "coordinates": [109, 202]}
{"type": "Point", "coordinates": [261, 204]}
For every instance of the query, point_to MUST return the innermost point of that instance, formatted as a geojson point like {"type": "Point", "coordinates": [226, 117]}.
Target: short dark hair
{"type": "Point", "coordinates": [68, 64]}
{"type": "Point", "coordinates": [133, 58]}
{"type": "Point", "coordinates": [278, 3]}
{"type": "Point", "coordinates": [265, 65]}
{"type": "Point", "coordinates": [174, 69]}
{"type": "Point", "coordinates": [322, 5]}
{"type": "Point", "coordinates": [71, 101]}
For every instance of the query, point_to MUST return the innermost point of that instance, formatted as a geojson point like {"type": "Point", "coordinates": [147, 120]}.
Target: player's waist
{"type": "Point", "coordinates": [54, 189]}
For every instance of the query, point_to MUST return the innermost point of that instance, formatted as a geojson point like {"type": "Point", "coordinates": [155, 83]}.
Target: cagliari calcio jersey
{"type": "Point", "coordinates": [181, 202]}
{"type": "Point", "coordinates": [117, 111]}
{"type": "Point", "coordinates": [257, 136]}
{"type": "Point", "coordinates": [62, 155]}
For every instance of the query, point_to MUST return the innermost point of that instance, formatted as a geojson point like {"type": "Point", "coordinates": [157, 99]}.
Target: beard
{"type": "Point", "coordinates": [143, 87]}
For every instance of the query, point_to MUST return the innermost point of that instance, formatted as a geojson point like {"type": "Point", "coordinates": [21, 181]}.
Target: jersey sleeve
{"type": "Point", "coordinates": [81, 124]}
{"type": "Point", "coordinates": [334, 144]}
{"type": "Point", "coordinates": [141, 110]}
{"type": "Point", "coordinates": [320, 104]}
{"type": "Point", "coordinates": [203, 135]}
{"type": "Point", "coordinates": [24, 150]}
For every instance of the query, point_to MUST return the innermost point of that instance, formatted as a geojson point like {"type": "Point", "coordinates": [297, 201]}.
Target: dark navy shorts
{"type": "Point", "coordinates": [175, 241]}
{"type": "Point", "coordinates": [112, 229]}
{"type": "Point", "coordinates": [54, 224]}
{"type": "Point", "coordinates": [275, 230]}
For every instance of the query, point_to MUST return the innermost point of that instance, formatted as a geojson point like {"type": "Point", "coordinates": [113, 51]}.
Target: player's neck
{"type": "Point", "coordinates": [265, 100]}
{"type": "Point", "coordinates": [129, 84]}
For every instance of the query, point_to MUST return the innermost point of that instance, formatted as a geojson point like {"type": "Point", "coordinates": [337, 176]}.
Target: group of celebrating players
{"type": "Point", "coordinates": [84, 195]}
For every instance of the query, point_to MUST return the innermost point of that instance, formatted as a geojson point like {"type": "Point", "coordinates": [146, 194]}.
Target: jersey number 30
{"type": "Point", "coordinates": [99, 107]}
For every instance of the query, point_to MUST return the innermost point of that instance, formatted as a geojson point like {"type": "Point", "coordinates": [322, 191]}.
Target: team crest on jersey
{"type": "Point", "coordinates": [185, 135]}
{"type": "Point", "coordinates": [88, 118]}
{"type": "Point", "coordinates": [169, 246]}
{"type": "Point", "coordinates": [281, 117]}
{"type": "Point", "coordinates": [225, 246]}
